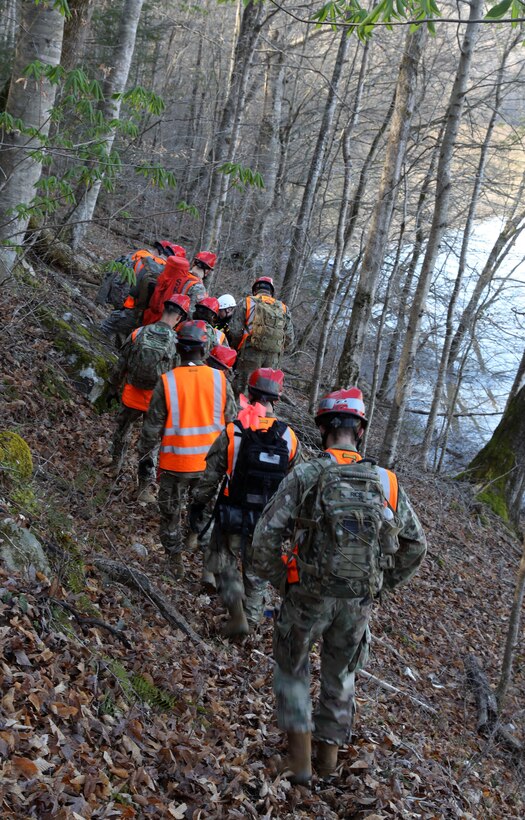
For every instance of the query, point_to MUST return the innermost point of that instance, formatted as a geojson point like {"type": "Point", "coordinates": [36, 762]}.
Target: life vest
{"type": "Point", "coordinates": [195, 399]}
{"type": "Point", "coordinates": [390, 488]}
{"type": "Point", "coordinates": [251, 304]}
{"type": "Point", "coordinates": [234, 431]}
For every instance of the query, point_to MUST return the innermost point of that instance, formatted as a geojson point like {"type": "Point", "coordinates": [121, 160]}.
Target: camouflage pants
{"type": "Point", "coordinates": [120, 323]}
{"type": "Point", "coordinates": [235, 579]}
{"type": "Point", "coordinates": [173, 489]}
{"type": "Point", "coordinates": [343, 627]}
{"type": "Point", "coordinates": [126, 418]}
{"type": "Point", "coordinates": [248, 361]}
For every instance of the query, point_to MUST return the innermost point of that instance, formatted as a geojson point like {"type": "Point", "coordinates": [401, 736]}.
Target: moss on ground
{"type": "Point", "coordinates": [15, 456]}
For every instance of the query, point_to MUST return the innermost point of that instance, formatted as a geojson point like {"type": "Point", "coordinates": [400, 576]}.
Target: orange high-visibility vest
{"type": "Point", "coordinates": [136, 397]}
{"type": "Point", "coordinates": [195, 399]}
{"type": "Point", "coordinates": [234, 442]}
{"type": "Point", "coordinates": [220, 338]}
{"type": "Point", "coordinates": [250, 313]}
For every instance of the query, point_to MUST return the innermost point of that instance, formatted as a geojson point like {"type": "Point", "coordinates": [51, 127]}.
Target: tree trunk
{"type": "Point", "coordinates": [473, 206]}
{"type": "Point", "coordinates": [76, 29]}
{"type": "Point", "coordinates": [82, 214]}
{"type": "Point", "coordinates": [437, 231]}
{"type": "Point", "coordinates": [224, 148]}
{"type": "Point", "coordinates": [498, 470]}
{"type": "Point", "coordinates": [513, 633]}
{"type": "Point", "coordinates": [299, 235]}
{"type": "Point", "coordinates": [336, 276]}
{"type": "Point", "coordinates": [40, 38]}
{"type": "Point", "coordinates": [349, 367]}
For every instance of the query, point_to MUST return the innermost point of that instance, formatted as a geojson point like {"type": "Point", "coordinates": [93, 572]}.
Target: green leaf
{"type": "Point", "coordinates": [499, 10]}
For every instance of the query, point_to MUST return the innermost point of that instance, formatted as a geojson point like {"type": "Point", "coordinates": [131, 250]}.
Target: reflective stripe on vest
{"type": "Point", "coordinates": [250, 312]}
{"type": "Point", "coordinates": [195, 399]}
{"type": "Point", "coordinates": [220, 338]}
{"type": "Point", "coordinates": [388, 478]}
{"type": "Point", "coordinates": [235, 438]}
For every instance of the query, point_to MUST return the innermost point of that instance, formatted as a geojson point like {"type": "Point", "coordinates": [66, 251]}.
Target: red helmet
{"type": "Point", "coordinates": [209, 302]}
{"type": "Point", "coordinates": [180, 300]}
{"type": "Point", "coordinates": [175, 265]}
{"type": "Point", "coordinates": [168, 249]}
{"type": "Point", "coordinates": [266, 382]}
{"type": "Point", "coordinates": [342, 403]}
{"type": "Point", "coordinates": [225, 356]}
{"type": "Point", "coordinates": [192, 334]}
{"type": "Point", "coordinates": [207, 258]}
{"type": "Point", "coordinates": [263, 283]}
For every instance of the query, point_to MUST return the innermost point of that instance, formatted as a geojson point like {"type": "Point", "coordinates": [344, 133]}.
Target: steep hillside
{"type": "Point", "coordinates": [110, 710]}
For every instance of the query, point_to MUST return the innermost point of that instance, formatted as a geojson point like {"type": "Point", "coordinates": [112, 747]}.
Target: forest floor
{"type": "Point", "coordinates": [144, 721]}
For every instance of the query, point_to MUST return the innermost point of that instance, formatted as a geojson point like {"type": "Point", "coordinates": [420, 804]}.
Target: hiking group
{"type": "Point", "coordinates": [328, 532]}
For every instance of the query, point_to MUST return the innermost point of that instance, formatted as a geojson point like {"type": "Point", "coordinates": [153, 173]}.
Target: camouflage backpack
{"type": "Point", "coordinates": [339, 543]}
{"type": "Point", "coordinates": [148, 271]}
{"type": "Point", "coordinates": [152, 353]}
{"type": "Point", "coordinates": [115, 287]}
{"type": "Point", "coordinates": [267, 333]}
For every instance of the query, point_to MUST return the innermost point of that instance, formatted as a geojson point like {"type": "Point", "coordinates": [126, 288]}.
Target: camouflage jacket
{"type": "Point", "coordinates": [212, 333]}
{"type": "Point", "coordinates": [237, 327]}
{"type": "Point", "coordinates": [197, 292]}
{"type": "Point", "coordinates": [155, 419]}
{"type": "Point", "coordinates": [119, 372]}
{"type": "Point", "coordinates": [277, 523]}
{"type": "Point", "coordinates": [216, 466]}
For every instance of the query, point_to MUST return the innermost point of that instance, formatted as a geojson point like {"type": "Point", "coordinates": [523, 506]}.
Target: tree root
{"type": "Point", "coordinates": [141, 583]}
{"type": "Point", "coordinates": [86, 620]}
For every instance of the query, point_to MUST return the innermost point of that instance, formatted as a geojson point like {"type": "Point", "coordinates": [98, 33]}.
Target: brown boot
{"type": "Point", "coordinates": [208, 581]}
{"type": "Point", "coordinates": [146, 493]}
{"type": "Point", "coordinates": [299, 760]}
{"type": "Point", "coordinates": [326, 758]}
{"type": "Point", "coordinates": [237, 625]}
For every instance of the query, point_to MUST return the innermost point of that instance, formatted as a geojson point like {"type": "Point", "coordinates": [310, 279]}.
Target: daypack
{"type": "Point", "coordinates": [261, 465]}
{"type": "Point", "coordinates": [113, 290]}
{"type": "Point", "coordinates": [267, 332]}
{"type": "Point", "coordinates": [152, 352]}
{"type": "Point", "coordinates": [148, 270]}
{"type": "Point", "coordinates": [339, 545]}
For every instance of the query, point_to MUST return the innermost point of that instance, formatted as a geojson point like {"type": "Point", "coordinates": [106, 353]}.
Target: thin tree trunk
{"type": "Point", "coordinates": [31, 100]}
{"type": "Point", "coordinates": [414, 259]}
{"type": "Point", "coordinates": [336, 275]}
{"type": "Point", "coordinates": [82, 214]}
{"type": "Point", "coordinates": [251, 24]}
{"type": "Point", "coordinates": [437, 231]}
{"type": "Point", "coordinates": [513, 634]}
{"type": "Point", "coordinates": [449, 324]}
{"type": "Point", "coordinates": [350, 363]}
{"type": "Point", "coordinates": [299, 236]}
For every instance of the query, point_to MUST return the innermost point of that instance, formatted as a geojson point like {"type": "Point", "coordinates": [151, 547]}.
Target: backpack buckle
{"type": "Point", "coordinates": [386, 562]}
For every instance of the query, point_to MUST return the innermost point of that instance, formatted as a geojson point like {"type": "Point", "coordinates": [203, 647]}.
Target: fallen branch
{"type": "Point", "coordinates": [394, 689]}
{"type": "Point", "coordinates": [141, 583]}
{"type": "Point", "coordinates": [487, 705]}
{"type": "Point", "coordinates": [86, 620]}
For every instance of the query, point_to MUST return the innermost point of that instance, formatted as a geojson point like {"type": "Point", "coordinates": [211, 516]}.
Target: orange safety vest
{"type": "Point", "coordinates": [220, 338]}
{"type": "Point", "coordinates": [390, 489]}
{"type": "Point", "coordinates": [250, 313]}
{"type": "Point", "coordinates": [234, 442]}
{"type": "Point", "coordinates": [195, 399]}
{"type": "Point", "coordinates": [136, 397]}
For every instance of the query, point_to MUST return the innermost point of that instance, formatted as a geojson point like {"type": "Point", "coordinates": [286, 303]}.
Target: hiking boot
{"type": "Point", "coordinates": [326, 758]}
{"type": "Point", "coordinates": [146, 493]}
{"type": "Point", "coordinates": [208, 581]}
{"type": "Point", "coordinates": [175, 564]}
{"type": "Point", "coordinates": [111, 465]}
{"type": "Point", "coordinates": [237, 625]}
{"type": "Point", "coordinates": [299, 760]}
{"type": "Point", "coordinates": [192, 541]}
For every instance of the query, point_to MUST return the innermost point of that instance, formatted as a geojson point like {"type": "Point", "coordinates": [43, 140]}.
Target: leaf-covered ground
{"type": "Point", "coordinates": [141, 722]}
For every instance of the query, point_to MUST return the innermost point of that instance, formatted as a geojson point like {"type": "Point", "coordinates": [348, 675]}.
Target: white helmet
{"type": "Point", "coordinates": [226, 301]}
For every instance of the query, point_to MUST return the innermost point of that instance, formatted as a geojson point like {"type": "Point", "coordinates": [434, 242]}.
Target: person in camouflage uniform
{"type": "Point", "coordinates": [240, 334]}
{"type": "Point", "coordinates": [305, 618]}
{"type": "Point", "coordinates": [135, 397]}
{"type": "Point", "coordinates": [207, 310]}
{"type": "Point", "coordinates": [184, 413]}
{"type": "Point", "coordinates": [233, 524]}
